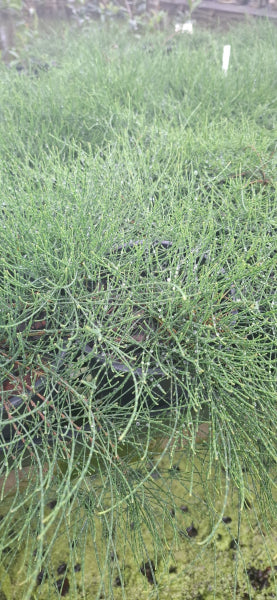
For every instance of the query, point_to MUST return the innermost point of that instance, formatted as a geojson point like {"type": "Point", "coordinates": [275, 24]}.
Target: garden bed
{"type": "Point", "coordinates": [138, 306]}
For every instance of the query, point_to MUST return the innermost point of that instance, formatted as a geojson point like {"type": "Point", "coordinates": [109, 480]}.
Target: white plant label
{"type": "Point", "coordinates": [226, 58]}
{"type": "Point", "coordinates": [188, 27]}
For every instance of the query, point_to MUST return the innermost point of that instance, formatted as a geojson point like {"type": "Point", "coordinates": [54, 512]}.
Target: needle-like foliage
{"type": "Point", "coordinates": [137, 297]}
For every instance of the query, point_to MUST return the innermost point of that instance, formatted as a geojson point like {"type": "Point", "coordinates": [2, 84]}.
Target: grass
{"type": "Point", "coordinates": [123, 139]}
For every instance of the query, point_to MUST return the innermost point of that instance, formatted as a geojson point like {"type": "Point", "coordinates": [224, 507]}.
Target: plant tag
{"type": "Point", "coordinates": [188, 27]}
{"type": "Point", "coordinates": [226, 58]}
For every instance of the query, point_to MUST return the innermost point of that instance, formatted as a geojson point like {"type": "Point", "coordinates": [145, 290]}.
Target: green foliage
{"type": "Point", "coordinates": [11, 4]}
{"type": "Point", "coordinates": [193, 4]}
{"type": "Point", "coordinates": [118, 350]}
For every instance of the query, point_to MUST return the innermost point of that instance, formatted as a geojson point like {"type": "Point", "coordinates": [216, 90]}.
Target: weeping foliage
{"type": "Point", "coordinates": [138, 309]}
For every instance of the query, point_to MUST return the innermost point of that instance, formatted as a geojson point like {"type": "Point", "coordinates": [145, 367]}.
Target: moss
{"type": "Point", "coordinates": [5, 584]}
{"type": "Point", "coordinates": [185, 568]}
